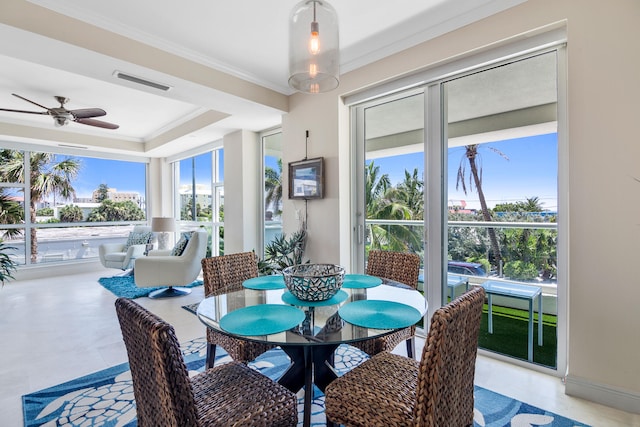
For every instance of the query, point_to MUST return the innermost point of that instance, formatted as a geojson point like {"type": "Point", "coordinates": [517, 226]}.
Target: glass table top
{"type": "Point", "coordinates": [315, 324]}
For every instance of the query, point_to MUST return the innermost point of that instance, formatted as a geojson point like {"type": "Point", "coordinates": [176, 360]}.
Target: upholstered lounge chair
{"type": "Point", "coordinates": [160, 268]}
{"type": "Point", "coordinates": [123, 255]}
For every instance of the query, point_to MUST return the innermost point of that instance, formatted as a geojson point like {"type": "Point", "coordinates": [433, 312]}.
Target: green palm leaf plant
{"type": "Point", "coordinates": [385, 202]}
{"type": "Point", "coordinates": [7, 264]}
{"type": "Point", "coordinates": [283, 252]}
{"type": "Point", "coordinates": [10, 213]}
{"type": "Point", "coordinates": [273, 188]}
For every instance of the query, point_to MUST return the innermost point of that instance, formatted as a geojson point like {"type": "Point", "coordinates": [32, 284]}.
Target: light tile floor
{"type": "Point", "coordinates": [59, 328]}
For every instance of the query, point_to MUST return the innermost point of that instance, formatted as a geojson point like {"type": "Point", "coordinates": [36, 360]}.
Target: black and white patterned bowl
{"type": "Point", "coordinates": [313, 282]}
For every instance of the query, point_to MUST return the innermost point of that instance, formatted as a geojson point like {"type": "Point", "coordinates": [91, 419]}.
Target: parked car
{"type": "Point", "coordinates": [468, 268]}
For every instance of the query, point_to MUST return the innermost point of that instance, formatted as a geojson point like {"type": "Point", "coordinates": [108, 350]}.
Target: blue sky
{"type": "Point", "coordinates": [123, 176]}
{"type": "Point", "coordinates": [130, 176]}
{"type": "Point", "coordinates": [203, 169]}
{"type": "Point", "coordinates": [531, 171]}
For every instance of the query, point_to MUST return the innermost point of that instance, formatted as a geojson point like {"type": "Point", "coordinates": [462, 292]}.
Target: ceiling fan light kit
{"type": "Point", "coordinates": [62, 116]}
{"type": "Point", "coordinates": [314, 50]}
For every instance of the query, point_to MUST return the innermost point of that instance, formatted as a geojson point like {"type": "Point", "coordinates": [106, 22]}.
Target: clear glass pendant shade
{"type": "Point", "coordinates": [314, 51]}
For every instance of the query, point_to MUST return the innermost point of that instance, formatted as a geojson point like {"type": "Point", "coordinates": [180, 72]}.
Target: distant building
{"type": "Point", "coordinates": [85, 207]}
{"type": "Point", "coordinates": [119, 196]}
{"type": "Point", "coordinates": [83, 200]}
{"type": "Point", "coordinates": [203, 195]}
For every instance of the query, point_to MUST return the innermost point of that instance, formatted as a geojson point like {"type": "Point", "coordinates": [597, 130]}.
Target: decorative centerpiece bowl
{"type": "Point", "coordinates": [313, 282]}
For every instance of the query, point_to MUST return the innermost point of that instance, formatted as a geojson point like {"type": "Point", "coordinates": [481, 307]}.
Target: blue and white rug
{"type": "Point", "coordinates": [125, 286]}
{"type": "Point", "coordinates": [105, 398]}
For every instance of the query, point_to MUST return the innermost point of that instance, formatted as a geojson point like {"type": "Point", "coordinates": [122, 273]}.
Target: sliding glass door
{"type": "Point", "coordinates": [464, 171]}
{"type": "Point", "coordinates": [502, 201]}
{"type": "Point", "coordinates": [391, 175]}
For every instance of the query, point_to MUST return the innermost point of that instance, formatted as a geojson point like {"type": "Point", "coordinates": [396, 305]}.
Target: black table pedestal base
{"type": "Point", "coordinates": [309, 365]}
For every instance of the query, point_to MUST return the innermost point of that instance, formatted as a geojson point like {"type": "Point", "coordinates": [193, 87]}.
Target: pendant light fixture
{"type": "Point", "coordinates": [314, 51]}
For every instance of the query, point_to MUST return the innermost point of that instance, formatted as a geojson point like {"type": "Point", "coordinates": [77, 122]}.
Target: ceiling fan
{"type": "Point", "coordinates": [62, 116]}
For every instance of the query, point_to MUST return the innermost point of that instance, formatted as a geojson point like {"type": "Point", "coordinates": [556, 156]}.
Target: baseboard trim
{"type": "Point", "coordinates": [41, 271]}
{"type": "Point", "coordinates": [614, 397]}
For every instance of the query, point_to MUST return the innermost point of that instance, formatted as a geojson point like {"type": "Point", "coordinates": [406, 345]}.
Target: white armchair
{"type": "Point", "coordinates": [160, 268]}
{"type": "Point", "coordinates": [118, 255]}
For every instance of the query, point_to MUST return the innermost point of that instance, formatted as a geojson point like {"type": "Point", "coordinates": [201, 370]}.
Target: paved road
{"type": "Point", "coordinates": [59, 244]}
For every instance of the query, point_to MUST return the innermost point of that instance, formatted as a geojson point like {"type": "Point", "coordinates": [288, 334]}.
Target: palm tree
{"type": "Point", "coordinates": [10, 213]}
{"type": "Point", "coordinates": [475, 179]}
{"type": "Point", "coordinates": [48, 176]}
{"type": "Point", "coordinates": [411, 193]}
{"type": "Point", "coordinates": [273, 187]}
{"type": "Point", "coordinates": [380, 204]}
{"type": "Point", "coordinates": [533, 204]}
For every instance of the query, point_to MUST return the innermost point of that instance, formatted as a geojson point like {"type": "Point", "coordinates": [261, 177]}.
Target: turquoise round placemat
{"type": "Point", "coordinates": [262, 319]}
{"type": "Point", "coordinates": [265, 283]}
{"type": "Point", "coordinates": [289, 298]}
{"type": "Point", "coordinates": [360, 281]}
{"type": "Point", "coordinates": [379, 314]}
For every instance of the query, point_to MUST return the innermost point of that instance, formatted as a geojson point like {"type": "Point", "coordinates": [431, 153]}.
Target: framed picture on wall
{"type": "Point", "coordinates": [306, 179]}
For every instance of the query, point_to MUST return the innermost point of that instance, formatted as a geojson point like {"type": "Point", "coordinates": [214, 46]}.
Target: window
{"type": "Point", "coordinates": [200, 196]}
{"type": "Point", "coordinates": [446, 141]}
{"type": "Point", "coordinates": [74, 204]}
{"type": "Point", "coordinates": [272, 187]}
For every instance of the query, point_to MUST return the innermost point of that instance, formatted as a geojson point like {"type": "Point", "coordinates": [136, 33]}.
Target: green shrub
{"type": "Point", "coordinates": [486, 265]}
{"type": "Point", "coordinates": [45, 212]}
{"type": "Point", "coordinates": [71, 213]}
{"type": "Point", "coordinates": [520, 270]}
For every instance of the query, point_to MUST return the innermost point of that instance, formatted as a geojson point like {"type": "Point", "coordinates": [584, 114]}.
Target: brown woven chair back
{"type": "Point", "coordinates": [226, 273]}
{"type": "Point", "coordinates": [447, 368]}
{"type": "Point", "coordinates": [222, 274]}
{"type": "Point", "coordinates": [403, 267]}
{"type": "Point", "coordinates": [160, 379]}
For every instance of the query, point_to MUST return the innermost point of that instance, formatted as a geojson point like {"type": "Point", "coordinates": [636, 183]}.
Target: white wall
{"type": "Point", "coordinates": [242, 174]}
{"type": "Point", "coordinates": [322, 223]}
{"type": "Point", "coordinates": [604, 161]}
{"type": "Point", "coordinates": [159, 188]}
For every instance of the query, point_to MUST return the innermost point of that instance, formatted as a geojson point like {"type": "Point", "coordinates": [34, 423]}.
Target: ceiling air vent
{"type": "Point", "coordinates": [141, 81]}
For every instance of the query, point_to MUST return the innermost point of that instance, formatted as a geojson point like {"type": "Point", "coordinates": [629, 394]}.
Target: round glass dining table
{"type": "Point", "coordinates": [309, 332]}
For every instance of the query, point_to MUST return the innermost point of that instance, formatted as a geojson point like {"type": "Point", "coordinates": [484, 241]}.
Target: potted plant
{"type": "Point", "coordinates": [7, 264]}
{"type": "Point", "coordinates": [283, 252]}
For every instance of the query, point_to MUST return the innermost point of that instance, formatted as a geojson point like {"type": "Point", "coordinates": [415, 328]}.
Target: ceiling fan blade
{"type": "Point", "coordinates": [97, 123]}
{"type": "Point", "coordinates": [24, 111]}
{"type": "Point", "coordinates": [85, 113]}
{"type": "Point", "coordinates": [28, 100]}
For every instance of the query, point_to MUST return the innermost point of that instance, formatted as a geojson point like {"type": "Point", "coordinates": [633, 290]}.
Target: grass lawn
{"type": "Point", "coordinates": [509, 336]}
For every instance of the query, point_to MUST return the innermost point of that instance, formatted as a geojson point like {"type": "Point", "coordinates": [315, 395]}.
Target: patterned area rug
{"type": "Point", "coordinates": [125, 286]}
{"type": "Point", "coordinates": [105, 398]}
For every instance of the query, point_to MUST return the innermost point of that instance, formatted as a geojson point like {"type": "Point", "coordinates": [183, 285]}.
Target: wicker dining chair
{"type": "Point", "coordinates": [390, 389]}
{"type": "Point", "coordinates": [232, 394]}
{"type": "Point", "coordinates": [222, 274]}
{"type": "Point", "coordinates": [402, 267]}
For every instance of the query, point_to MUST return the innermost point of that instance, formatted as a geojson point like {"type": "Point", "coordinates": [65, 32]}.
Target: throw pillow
{"type": "Point", "coordinates": [136, 238]}
{"type": "Point", "coordinates": [182, 243]}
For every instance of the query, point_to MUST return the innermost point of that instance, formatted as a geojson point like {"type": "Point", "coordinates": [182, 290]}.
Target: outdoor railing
{"type": "Point", "coordinates": [62, 242]}
{"type": "Point", "coordinates": [398, 230]}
